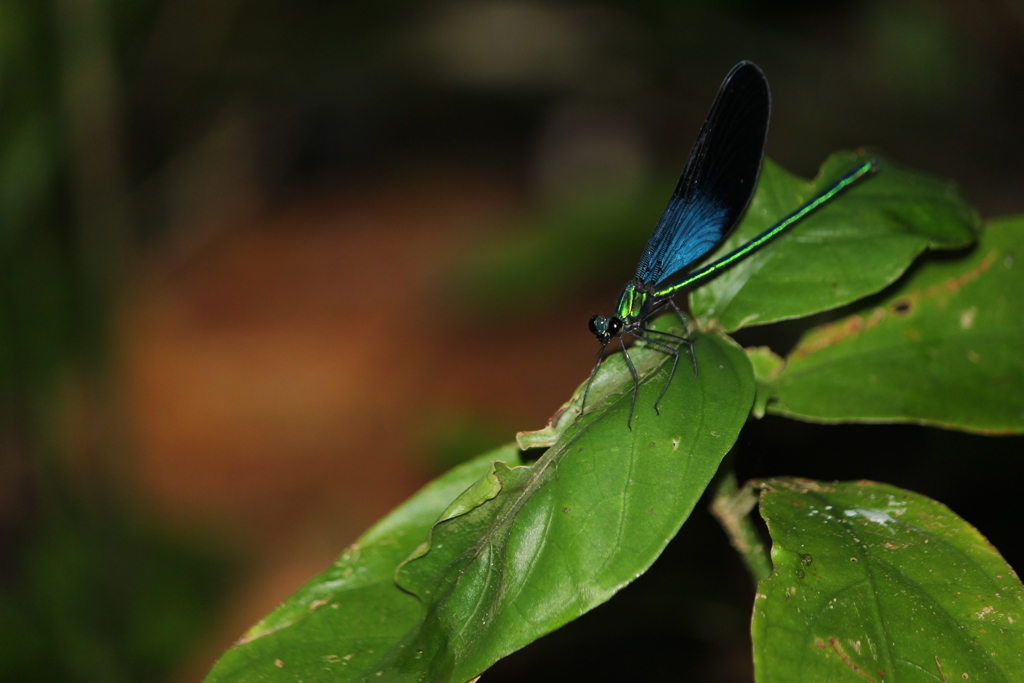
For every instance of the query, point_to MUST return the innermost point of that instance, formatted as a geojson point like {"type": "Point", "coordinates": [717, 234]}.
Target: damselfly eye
{"type": "Point", "coordinates": [614, 326]}
{"type": "Point", "coordinates": [593, 326]}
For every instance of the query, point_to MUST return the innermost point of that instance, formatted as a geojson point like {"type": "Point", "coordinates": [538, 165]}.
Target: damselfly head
{"type": "Point", "coordinates": [604, 328]}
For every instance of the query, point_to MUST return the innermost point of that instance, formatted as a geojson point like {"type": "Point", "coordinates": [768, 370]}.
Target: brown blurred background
{"type": "Point", "coordinates": [266, 266]}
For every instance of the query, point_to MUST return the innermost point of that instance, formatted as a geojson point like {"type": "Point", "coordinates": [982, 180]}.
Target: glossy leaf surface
{"type": "Point", "coordinates": [944, 348]}
{"type": "Point", "coordinates": [855, 245]}
{"type": "Point", "coordinates": [876, 583]}
{"type": "Point", "coordinates": [565, 534]}
{"type": "Point", "coordinates": [522, 550]}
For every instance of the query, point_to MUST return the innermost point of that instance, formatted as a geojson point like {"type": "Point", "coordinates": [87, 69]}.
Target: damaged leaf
{"type": "Point", "coordinates": [876, 583]}
{"type": "Point", "coordinates": [943, 348]}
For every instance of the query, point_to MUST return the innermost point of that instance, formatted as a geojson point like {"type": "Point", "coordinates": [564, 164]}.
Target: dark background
{"type": "Point", "coordinates": [266, 266]}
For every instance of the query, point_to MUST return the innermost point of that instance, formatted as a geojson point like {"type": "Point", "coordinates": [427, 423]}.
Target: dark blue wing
{"type": "Point", "coordinates": [718, 180]}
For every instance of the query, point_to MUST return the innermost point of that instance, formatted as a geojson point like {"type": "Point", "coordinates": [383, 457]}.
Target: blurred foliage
{"type": "Point", "coordinates": [98, 595]}
{"type": "Point", "coordinates": [89, 590]}
{"type": "Point", "coordinates": [561, 248]}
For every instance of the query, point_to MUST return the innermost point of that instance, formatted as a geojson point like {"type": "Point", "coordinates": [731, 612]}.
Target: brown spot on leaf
{"type": "Point", "coordinates": [954, 284]}
{"type": "Point", "coordinates": [833, 333]}
{"type": "Point", "coordinates": [833, 645]}
{"type": "Point", "coordinates": [877, 316]}
{"type": "Point", "coordinates": [903, 306]}
{"type": "Point", "coordinates": [830, 335]}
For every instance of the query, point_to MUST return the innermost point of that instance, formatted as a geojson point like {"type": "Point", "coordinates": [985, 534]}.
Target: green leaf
{"type": "Point", "coordinates": [515, 551]}
{"type": "Point", "coordinates": [876, 583]}
{"type": "Point", "coordinates": [338, 625]}
{"type": "Point", "coordinates": [853, 246]}
{"type": "Point", "coordinates": [566, 533]}
{"type": "Point", "coordinates": [943, 348]}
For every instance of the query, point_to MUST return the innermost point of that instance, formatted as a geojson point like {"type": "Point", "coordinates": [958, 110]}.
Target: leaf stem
{"type": "Point", "coordinates": [731, 506]}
